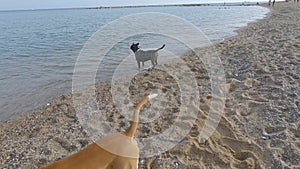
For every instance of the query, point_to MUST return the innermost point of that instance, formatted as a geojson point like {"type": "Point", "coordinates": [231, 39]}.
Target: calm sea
{"type": "Point", "coordinates": [38, 48]}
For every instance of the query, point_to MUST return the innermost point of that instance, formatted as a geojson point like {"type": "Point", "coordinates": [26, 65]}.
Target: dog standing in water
{"type": "Point", "coordinates": [145, 55]}
{"type": "Point", "coordinates": [115, 151]}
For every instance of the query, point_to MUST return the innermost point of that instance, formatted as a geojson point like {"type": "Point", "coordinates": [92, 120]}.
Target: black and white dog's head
{"type": "Point", "coordinates": [134, 47]}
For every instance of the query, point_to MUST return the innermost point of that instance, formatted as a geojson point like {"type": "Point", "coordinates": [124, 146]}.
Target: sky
{"type": "Point", "coordinates": [47, 4]}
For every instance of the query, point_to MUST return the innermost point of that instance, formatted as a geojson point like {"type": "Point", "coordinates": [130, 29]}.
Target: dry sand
{"type": "Point", "coordinates": [260, 127]}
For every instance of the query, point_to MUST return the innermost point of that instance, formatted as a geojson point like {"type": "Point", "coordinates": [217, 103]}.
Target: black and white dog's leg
{"type": "Point", "coordinates": [139, 64]}
{"type": "Point", "coordinates": [153, 63]}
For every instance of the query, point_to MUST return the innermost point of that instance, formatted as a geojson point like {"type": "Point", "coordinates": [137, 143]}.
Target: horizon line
{"type": "Point", "coordinates": [246, 3]}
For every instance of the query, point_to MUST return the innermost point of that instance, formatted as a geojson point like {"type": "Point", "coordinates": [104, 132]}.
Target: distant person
{"type": "Point", "coordinates": [273, 2]}
{"type": "Point", "coordinates": [269, 2]}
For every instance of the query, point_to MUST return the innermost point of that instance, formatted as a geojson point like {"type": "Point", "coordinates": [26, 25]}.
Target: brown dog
{"type": "Point", "coordinates": [115, 151]}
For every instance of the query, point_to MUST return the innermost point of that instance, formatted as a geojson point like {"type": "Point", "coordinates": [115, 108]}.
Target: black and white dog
{"type": "Point", "coordinates": [145, 55]}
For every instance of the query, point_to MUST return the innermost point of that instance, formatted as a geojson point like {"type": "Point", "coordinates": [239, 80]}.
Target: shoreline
{"type": "Point", "coordinates": [251, 82]}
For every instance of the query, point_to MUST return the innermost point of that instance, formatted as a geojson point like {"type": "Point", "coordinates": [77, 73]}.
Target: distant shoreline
{"type": "Point", "coordinates": [146, 6]}
{"type": "Point", "coordinates": [179, 5]}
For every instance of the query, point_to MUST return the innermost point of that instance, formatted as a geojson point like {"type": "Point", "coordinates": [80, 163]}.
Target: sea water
{"type": "Point", "coordinates": [39, 48]}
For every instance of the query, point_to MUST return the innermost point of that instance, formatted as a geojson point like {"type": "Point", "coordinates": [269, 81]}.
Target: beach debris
{"type": "Point", "coordinates": [176, 164]}
{"type": "Point", "coordinates": [265, 135]}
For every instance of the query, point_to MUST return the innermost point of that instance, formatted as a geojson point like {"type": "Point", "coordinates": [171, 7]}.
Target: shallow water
{"type": "Point", "coordinates": [38, 49]}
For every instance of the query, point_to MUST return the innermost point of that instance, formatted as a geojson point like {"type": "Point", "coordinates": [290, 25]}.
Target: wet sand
{"type": "Point", "coordinates": [260, 127]}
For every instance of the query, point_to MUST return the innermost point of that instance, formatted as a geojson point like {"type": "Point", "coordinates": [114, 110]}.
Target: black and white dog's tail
{"type": "Point", "coordinates": [161, 47]}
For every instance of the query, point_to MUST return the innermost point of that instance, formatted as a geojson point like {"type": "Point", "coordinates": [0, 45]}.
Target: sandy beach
{"type": "Point", "coordinates": [260, 127]}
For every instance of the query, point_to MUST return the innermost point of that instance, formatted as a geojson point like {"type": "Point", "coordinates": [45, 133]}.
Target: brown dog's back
{"type": "Point", "coordinates": [94, 157]}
